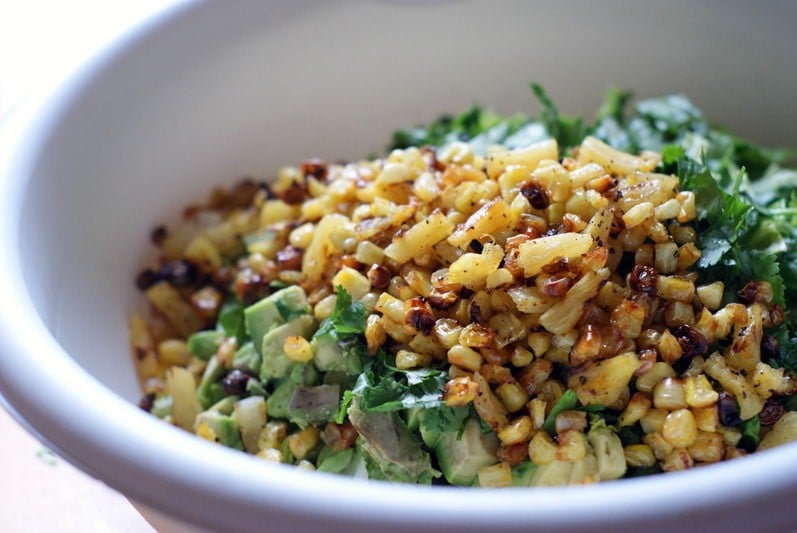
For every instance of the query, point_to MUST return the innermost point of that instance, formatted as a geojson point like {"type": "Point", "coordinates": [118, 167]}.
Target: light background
{"type": "Point", "coordinates": [41, 41]}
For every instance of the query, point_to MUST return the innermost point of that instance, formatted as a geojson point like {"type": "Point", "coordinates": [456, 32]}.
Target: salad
{"type": "Point", "coordinates": [498, 301]}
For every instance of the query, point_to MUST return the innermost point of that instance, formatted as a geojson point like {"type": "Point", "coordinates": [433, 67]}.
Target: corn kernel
{"type": "Point", "coordinates": [301, 442]}
{"type": "Point", "coordinates": [537, 410]}
{"type": "Point", "coordinates": [465, 357]}
{"type": "Point", "coordinates": [406, 360]}
{"type": "Point", "coordinates": [572, 446]}
{"type": "Point", "coordinates": [661, 448]}
{"type": "Point", "coordinates": [270, 454]}
{"type": "Point", "coordinates": [706, 418]}
{"type": "Point", "coordinates": [513, 396]}
{"type": "Point", "coordinates": [570, 420]}
{"type": "Point", "coordinates": [460, 391]}
{"type": "Point", "coordinates": [657, 372]}
{"type": "Point", "coordinates": [638, 214]}
{"type": "Point", "coordinates": [446, 331]}
{"type": "Point", "coordinates": [653, 420]}
{"type": "Point", "coordinates": [707, 448]}
{"type": "Point", "coordinates": [679, 459]}
{"type": "Point", "coordinates": [669, 394]}
{"type": "Point", "coordinates": [517, 431]}
{"type": "Point", "coordinates": [173, 352]}
{"type": "Point", "coordinates": [637, 407]}
{"type": "Point", "coordinates": [711, 295]}
{"type": "Point", "coordinates": [699, 392]}
{"type": "Point", "coordinates": [497, 475]}
{"type": "Point", "coordinates": [297, 349]}
{"type": "Point", "coordinates": [639, 456]}
{"type": "Point", "coordinates": [542, 449]}
{"type": "Point", "coordinates": [679, 428]}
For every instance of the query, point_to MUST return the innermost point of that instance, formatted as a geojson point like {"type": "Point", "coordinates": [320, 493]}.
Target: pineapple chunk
{"type": "Point", "coordinates": [603, 382]}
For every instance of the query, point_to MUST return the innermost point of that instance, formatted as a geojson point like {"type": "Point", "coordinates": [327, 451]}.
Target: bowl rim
{"type": "Point", "coordinates": [168, 469]}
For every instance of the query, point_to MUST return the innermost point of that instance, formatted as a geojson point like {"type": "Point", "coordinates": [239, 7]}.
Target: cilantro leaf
{"type": "Point", "coordinates": [348, 318]}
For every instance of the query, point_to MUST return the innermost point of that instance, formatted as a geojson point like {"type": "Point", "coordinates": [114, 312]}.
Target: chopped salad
{"type": "Point", "coordinates": [498, 301]}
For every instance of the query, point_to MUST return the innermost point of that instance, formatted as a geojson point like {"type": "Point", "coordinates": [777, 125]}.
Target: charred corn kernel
{"type": "Point", "coordinates": [355, 283]}
{"type": "Point", "coordinates": [707, 448]}
{"type": "Point", "coordinates": [369, 253]}
{"type": "Point", "coordinates": [539, 342]}
{"type": "Point", "coordinates": [657, 372]}
{"type": "Point", "coordinates": [446, 331]}
{"type": "Point", "coordinates": [406, 360]}
{"type": "Point", "coordinates": [699, 392]}
{"type": "Point", "coordinates": [375, 334]}
{"type": "Point", "coordinates": [513, 396]}
{"type": "Point", "coordinates": [465, 357]}
{"type": "Point", "coordinates": [658, 232]}
{"type": "Point", "coordinates": [458, 153]}
{"type": "Point", "coordinates": [495, 476]}
{"type": "Point", "coordinates": [570, 420]}
{"type": "Point", "coordinates": [688, 211]}
{"type": "Point", "coordinates": [572, 446]}
{"type": "Point", "coordinates": [323, 309]}
{"type": "Point", "coordinates": [297, 349]}
{"type": "Point", "coordinates": [673, 288]}
{"type": "Point", "coordinates": [419, 280]}
{"type": "Point", "coordinates": [678, 459]}
{"type": "Point", "coordinates": [390, 307]}
{"type": "Point", "coordinates": [537, 410]}
{"type": "Point", "coordinates": [767, 380]}
{"type": "Point", "coordinates": [666, 258]}
{"type": "Point", "coordinates": [688, 254]}
{"type": "Point", "coordinates": [542, 449]}
{"type": "Point", "coordinates": [173, 352]}
{"type": "Point", "coordinates": [301, 442]}
{"type": "Point", "coordinates": [627, 318]}
{"type": "Point", "coordinates": [653, 420]}
{"type": "Point", "coordinates": [639, 456]}
{"type": "Point", "coordinates": [669, 348]}
{"type": "Point", "coordinates": [730, 435]}
{"type": "Point", "coordinates": [695, 367]}
{"type": "Point", "coordinates": [706, 418]}
{"type": "Point", "coordinates": [460, 391]}
{"type": "Point", "coordinates": [679, 428]}
{"type": "Point", "coordinates": [426, 344]}
{"type": "Point", "coordinates": [272, 435]}
{"type": "Point", "coordinates": [638, 214]}
{"type": "Point", "coordinates": [517, 431]}
{"type": "Point", "coordinates": [476, 336]}
{"type": "Point", "coordinates": [711, 295]}
{"type": "Point", "coordinates": [270, 454]}
{"type": "Point", "coordinates": [667, 210]}
{"type": "Point", "coordinates": [637, 407]}
{"type": "Point", "coordinates": [682, 234]}
{"type": "Point", "coordinates": [552, 391]}
{"type": "Point", "coordinates": [661, 448]}
{"type": "Point", "coordinates": [669, 394]}
{"type": "Point", "coordinates": [521, 357]}
{"type": "Point", "coordinates": [678, 313]}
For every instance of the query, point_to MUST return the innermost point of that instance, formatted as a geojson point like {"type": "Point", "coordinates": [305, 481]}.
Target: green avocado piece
{"type": "Point", "coordinates": [210, 390]}
{"type": "Point", "coordinates": [277, 403]}
{"type": "Point", "coordinates": [273, 311]}
{"type": "Point", "coordinates": [310, 404]}
{"type": "Point", "coordinates": [391, 451]}
{"type": "Point", "coordinates": [523, 473]}
{"type": "Point", "coordinates": [461, 456]}
{"type": "Point", "coordinates": [276, 364]}
{"type": "Point", "coordinates": [247, 359]}
{"type": "Point", "coordinates": [336, 462]}
{"type": "Point", "coordinates": [225, 427]}
{"type": "Point", "coordinates": [204, 344]}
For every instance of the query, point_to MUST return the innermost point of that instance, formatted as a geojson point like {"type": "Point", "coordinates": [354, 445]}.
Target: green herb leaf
{"type": "Point", "coordinates": [751, 431]}
{"type": "Point", "coordinates": [568, 401]}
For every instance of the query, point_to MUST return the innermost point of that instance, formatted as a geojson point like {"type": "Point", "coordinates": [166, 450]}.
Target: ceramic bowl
{"type": "Point", "coordinates": [207, 92]}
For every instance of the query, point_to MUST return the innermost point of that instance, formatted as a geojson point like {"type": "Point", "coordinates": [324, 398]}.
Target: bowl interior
{"type": "Point", "coordinates": [226, 90]}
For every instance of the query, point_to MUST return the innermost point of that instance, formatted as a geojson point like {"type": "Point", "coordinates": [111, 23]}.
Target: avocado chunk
{"type": "Point", "coordinates": [335, 462]}
{"type": "Point", "coordinates": [210, 390]}
{"type": "Point", "coordinates": [275, 363]}
{"type": "Point", "coordinates": [224, 427]}
{"type": "Point", "coordinates": [204, 344]}
{"type": "Point", "coordinates": [330, 354]}
{"type": "Point", "coordinates": [461, 456]}
{"type": "Point", "coordinates": [247, 359]}
{"type": "Point", "coordinates": [391, 451]}
{"type": "Point", "coordinates": [523, 473]}
{"type": "Point", "coordinates": [273, 311]}
{"type": "Point", "coordinates": [277, 403]}
{"type": "Point", "coordinates": [313, 404]}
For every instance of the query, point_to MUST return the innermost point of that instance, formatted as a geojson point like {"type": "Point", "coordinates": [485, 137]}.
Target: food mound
{"type": "Point", "coordinates": [511, 302]}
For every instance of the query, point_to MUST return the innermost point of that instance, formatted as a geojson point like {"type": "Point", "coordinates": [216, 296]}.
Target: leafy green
{"type": "Point", "coordinates": [348, 318]}
{"type": "Point", "coordinates": [444, 419]}
{"type": "Point", "coordinates": [568, 401]}
{"type": "Point", "coordinates": [751, 432]}
{"type": "Point", "coordinates": [384, 388]}
{"type": "Point", "coordinates": [231, 320]}
{"type": "Point", "coordinates": [568, 131]}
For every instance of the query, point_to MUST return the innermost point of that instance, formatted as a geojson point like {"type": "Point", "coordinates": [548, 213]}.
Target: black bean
{"type": "Point", "coordinates": [146, 279]}
{"type": "Point", "coordinates": [180, 273]}
{"type": "Point", "coordinates": [728, 410]}
{"type": "Point", "coordinates": [147, 402]}
{"type": "Point", "coordinates": [235, 382]}
{"type": "Point", "coordinates": [770, 347]}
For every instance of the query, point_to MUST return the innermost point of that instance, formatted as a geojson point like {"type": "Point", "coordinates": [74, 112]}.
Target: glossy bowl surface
{"type": "Point", "coordinates": [205, 93]}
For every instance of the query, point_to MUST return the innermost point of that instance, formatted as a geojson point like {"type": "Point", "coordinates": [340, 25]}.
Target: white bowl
{"type": "Point", "coordinates": [208, 92]}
